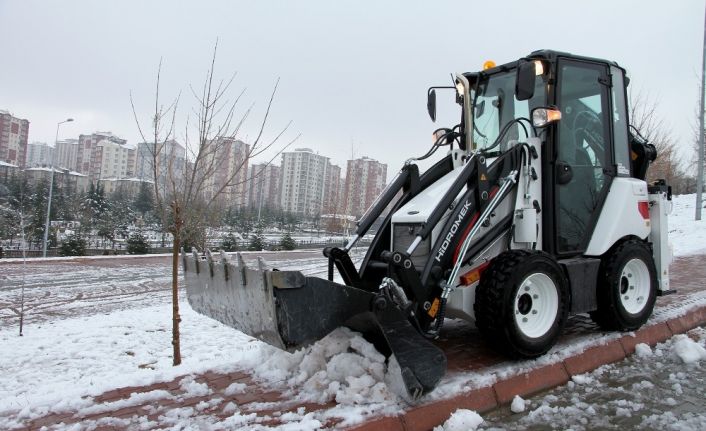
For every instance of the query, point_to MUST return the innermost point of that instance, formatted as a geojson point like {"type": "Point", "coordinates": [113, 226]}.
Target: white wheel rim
{"type": "Point", "coordinates": [634, 286]}
{"type": "Point", "coordinates": [536, 305]}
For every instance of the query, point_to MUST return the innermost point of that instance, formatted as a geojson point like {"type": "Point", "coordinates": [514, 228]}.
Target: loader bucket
{"type": "Point", "coordinates": [289, 310]}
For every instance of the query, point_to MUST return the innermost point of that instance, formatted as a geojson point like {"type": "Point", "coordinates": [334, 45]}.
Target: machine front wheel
{"type": "Point", "coordinates": [627, 287]}
{"type": "Point", "coordinates": [522, 302]}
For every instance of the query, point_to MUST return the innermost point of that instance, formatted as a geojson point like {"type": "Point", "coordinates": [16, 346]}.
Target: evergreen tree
{"type": "Point", "coordinates": [287, 242]}
{"type": "Point", "coordinates": [9, 222]}
{"type": "Point", "coordinates": [38, 214]}
{"type": "Point", "coordinates": [137, 244]}
{"type": "Point", "coordinates": [18, 189]}
{"type": "Point", "coordinates": [93, 207]}
{"type": "Point", "coordinates": [230, 243]}
{"type": "Point", "coordinates": [257, 241]}
{"type": "Point", "coordinates": [244, 222]}
{"type": "Point", "coordinates": [120, 215]}
{"type": "Point", "coordinates": [144, 202]}
{"type": "Point", "coordinates": [73, 245]}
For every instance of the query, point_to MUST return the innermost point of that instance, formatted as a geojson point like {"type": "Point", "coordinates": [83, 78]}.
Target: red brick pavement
{"type": "Point", "coordinates": [673, 315]}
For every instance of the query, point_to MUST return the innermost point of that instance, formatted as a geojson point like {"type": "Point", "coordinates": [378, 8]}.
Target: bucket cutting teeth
{"type": "Point", "coordinates": [289, 310]}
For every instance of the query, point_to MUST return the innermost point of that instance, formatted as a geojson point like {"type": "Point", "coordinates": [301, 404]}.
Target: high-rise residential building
{"type": "Point", "coordinates": [226, 168]}
{"type": "Point", "coordinates": [65, 154]}
{"type": "Point", "coordinates": [171, 159]}
{"type": "Point", "coordinates": [304, 174]}
{"type": "Point", "coordinates": [13, 139]}
{"type": "Point", "coordinates": [111, 160]}
{"type": "Point", "coordinates": [264, 185]}
{"type": "Point", "coordinates": [332, 189]}
{"type": "Point", "coordinates": [365, 180]}
{"type": "Point", "coordinates": [88, 160]}
{"type": "Point", "coordinates": [39, 154]}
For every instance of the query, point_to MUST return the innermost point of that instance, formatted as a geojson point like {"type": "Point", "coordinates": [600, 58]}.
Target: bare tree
{"type": "Point", "coordinates": [645, 118]}
{"type": "Point", "coordinates": [186, 195]}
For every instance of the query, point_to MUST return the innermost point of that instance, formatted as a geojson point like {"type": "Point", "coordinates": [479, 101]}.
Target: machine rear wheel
{"type": "Point", "coordinates": [522, 302]}
{"type": "Point", "coordinates": [627, 287]}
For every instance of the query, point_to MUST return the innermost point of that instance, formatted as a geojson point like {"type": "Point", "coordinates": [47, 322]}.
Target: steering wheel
{"type": "Point", "coordinates": [588, 118]}
{"type": "Point", "coordinates": [588, 127]}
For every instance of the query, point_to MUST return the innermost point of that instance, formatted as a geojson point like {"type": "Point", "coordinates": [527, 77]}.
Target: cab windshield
{"type": "Point", "coordinates": [495, 105]}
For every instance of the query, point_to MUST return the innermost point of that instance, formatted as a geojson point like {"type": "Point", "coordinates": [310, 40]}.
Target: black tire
{"type": "Point", "coordinates": [497, 294]}
{"type": "Point", "coordinates": [613, 287]}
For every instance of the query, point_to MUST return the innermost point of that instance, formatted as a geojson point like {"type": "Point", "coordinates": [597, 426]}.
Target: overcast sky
{"type": "Point", "coordinates": [354, 74]}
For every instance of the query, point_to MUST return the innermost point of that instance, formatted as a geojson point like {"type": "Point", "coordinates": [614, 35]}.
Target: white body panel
{"type": "Point", "coordinates": [660, 207]}
{"type": "Point", "coordinates": [620, 216]}
{"type": "Point", "coordinates": [528, 224]}
{"type": "Point", "coordinates": [421, 206]}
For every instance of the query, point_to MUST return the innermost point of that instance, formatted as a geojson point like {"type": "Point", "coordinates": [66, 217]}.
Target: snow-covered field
{"type": "Point", "coordinates": [95, 329]}
{"type": "Point", "coordinates": [686, 235]}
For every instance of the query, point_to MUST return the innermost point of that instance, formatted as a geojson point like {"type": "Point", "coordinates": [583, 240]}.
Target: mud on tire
{"type": "Point", "coordinates": [522, 302]}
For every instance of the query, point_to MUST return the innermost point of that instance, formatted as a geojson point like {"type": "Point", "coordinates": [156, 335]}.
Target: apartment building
{"type": "Point", "coordinates": [13, 139]}
{"type": "Point", "coordinates": [171, 160]}
{"type": "Point", "coordinates": [264, 185]}
{"type": "Point", "coordinates": [89, 155]}
{"type": "Point", "coordinates": [129, 186]}
{"type": "Point", "coordinates": [39, 154]}
{"type": "Point", "coordinates": [332, 191]}
{"type": "Point", "coordinates": [226, 169]}
{"type": "Point", "coordinates": [304, 178]}
{"type": "Point", "coordinates": [365, 180]}
{"type": "Point", "coordinates": [7, 170]}
{"type": "Point", "coordinates": [62, 177]}
{"type": "Point", "coordinates": [65, 154]}
{"type": "Point", "coordinates": [111, 160]}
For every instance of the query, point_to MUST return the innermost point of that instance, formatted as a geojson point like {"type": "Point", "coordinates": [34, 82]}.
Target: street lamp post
{"type": "Point", "coordinates": [51, 187]}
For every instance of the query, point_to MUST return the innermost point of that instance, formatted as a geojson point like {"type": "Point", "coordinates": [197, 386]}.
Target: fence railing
{"type": "Point", "coordinates": [240, 246]}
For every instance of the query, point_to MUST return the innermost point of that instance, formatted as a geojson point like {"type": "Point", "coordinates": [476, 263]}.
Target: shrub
{"type": "Point", "coordinates": [257, 243]}
{"type": "Point", "coordinates": [73, 245]}
{"type": "Point", "coordinates": [137, 244]}
{"type": "Point", "coordinates": [287, 242]}
{"type": "Point", "coordinates": [230, 243]}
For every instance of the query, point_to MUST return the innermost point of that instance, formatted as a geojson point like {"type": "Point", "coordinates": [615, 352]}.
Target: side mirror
{"type": "Point", "coordinates": [431, 104]}
{"type": "Point", "coordinates": [524, 84]}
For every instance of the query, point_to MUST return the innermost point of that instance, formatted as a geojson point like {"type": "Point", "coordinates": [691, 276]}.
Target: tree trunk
{"type": "Point", "coordinates": [175, 285]}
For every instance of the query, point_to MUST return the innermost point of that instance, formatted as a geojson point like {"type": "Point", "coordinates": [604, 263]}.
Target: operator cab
{"type": "Point", "coordinates": [588, 145]}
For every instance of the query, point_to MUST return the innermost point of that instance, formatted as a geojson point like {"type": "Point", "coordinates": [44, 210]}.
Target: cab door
{"type": "Point", "coordinates": [583, 167]}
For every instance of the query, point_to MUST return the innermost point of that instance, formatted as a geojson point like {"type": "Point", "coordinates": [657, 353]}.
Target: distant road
{"type": "Point", "coordinates": [61, 288]}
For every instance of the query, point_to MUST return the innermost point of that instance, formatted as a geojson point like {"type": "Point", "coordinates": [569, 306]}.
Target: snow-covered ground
{"type": "Point", "coordinates": [656, 389]}
{"type": "Point", "coordinates": [686, 235]}
{"type": "Point", "coordinates": [70, 355]}
{"type": "Point", "coordinates": [67, 287]}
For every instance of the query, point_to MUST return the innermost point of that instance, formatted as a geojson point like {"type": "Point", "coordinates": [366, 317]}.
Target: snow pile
{"type": "Point", "coordinates": [193, 388]}
{"type": "Point", "coordinates": [461, 420]}
{"type": "Point", "coordinates": [582, 379]}
{"type": "Point", "coordinates": [342, 366]}
{"type": "Point", "coordinates": [688, 350]}
{"type": "Point", "coordinates": [518, 404]}
{"type": "Point", "coordinates": [135, 399]}
{"type": "Point", "coordinates": [234, 388]}
{"type": "Point", "coordinates": [686, 235]}
{"type": "Point", "coordinates": [643, 350]}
